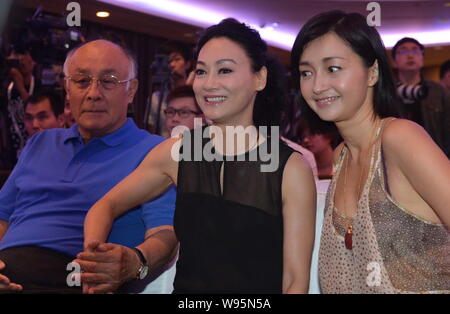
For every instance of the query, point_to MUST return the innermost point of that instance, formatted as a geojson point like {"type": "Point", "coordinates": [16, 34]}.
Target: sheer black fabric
{"type": "Point", "coordinates": [231, 242]}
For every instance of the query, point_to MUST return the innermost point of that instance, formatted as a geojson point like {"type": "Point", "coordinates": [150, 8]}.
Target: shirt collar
{"type": "Point", "coordinates": [113, 139]}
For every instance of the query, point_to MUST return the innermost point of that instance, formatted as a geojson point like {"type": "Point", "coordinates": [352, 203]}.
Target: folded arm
{"type": "Point", "coordinates": [153, 176]}
{"type": "Point", "coordinates": [107, 266]}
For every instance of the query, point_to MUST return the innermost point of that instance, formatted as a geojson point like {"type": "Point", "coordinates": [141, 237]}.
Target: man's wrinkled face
{"type": "Point", "coordinates": [99, 107]}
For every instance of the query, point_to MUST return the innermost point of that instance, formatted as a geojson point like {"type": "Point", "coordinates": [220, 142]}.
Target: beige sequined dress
{"type": "Point", "coordinates": [393, 250]}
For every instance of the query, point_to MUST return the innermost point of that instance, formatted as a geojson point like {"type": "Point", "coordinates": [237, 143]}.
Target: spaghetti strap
{"type": "Point", "coordinates": [384, 123]}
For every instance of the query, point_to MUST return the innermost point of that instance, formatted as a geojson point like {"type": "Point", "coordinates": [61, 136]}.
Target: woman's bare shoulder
{"type": "Point", "coordinates": [297, 170]}
{"type": "Point", "coordinates": [400, 134]}
{"type": "Point", "coordinates": [408, 144]}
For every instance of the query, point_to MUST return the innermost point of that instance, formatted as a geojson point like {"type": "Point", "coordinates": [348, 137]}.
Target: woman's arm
{"type": "Point", "coordinates": [151, 178]}
{"type": "Point", "coordinates": [299, 214]}
{"type": "Point", "coordinates": [409, 148]}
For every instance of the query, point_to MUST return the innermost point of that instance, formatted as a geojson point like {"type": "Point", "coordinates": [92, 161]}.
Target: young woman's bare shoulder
{"type": "Point", "coordinates": [400, 134]}
{"type": "Point", "coordinates": [407, 144]}
{"type": "Point", "coordinates": [297, 169]}
{"type": "Point", "coordinates": [296, 161]}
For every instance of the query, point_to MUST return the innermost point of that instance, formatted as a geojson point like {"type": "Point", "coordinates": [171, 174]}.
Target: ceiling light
{"type": "Point", "coordinates": [102, 14]}
{"type": "Point", "coordinates": [425, 38]}
{"type": "Point", "coordinates": [185, 12]}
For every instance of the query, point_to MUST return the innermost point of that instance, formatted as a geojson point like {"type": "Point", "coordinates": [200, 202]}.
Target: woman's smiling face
{"type": "Point", "coordinates": [225, 84]}
{"type": "Point", "coordinates": [334, 80]}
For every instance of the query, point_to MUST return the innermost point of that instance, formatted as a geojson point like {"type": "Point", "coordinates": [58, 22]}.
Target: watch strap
{"type": "Point", "coordinates": [140, 255]}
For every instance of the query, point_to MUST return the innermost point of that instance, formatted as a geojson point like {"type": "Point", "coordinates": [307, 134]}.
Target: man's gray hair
{"type": "Point", "coordinates": [128, 53]}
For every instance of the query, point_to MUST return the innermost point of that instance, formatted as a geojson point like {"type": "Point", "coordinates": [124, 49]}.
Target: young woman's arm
{"type": "Point", "coordinates": [408, 148]}
{"type": "Point", "coordinates": [153, 176]}
{"type": "Point", "coordinates": [299, 214]}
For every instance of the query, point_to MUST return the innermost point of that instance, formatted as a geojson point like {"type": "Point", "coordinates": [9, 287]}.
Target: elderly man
{"type": "Point", "coordinates": [62, 172]}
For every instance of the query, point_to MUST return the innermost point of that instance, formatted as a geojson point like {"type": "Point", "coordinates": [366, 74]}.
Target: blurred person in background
{"type": "Point", "coordinates": [321, 142]}
{"type": "Point", "coordinates": [44, 111]}
{"type": "Point", "coordinates": [182, 109]}
{"type": "Point", "coordinates": [21, 86]}
{"type": "Point", "coordinates": [179, 65]}
{"type": "Point", "coordinates": [423, 101]}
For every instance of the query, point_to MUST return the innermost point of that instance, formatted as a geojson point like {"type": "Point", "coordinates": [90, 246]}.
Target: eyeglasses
{"type": "Point", "coordinates": [413, 51]}
{"type": "Point", "coordinates": [183, 113]}
{"type": "Point", "coordinates": [107, 81]}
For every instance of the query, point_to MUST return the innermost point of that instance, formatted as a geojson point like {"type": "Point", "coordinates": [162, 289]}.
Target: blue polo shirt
{"type": "Point", "coordinates": [58, 178]}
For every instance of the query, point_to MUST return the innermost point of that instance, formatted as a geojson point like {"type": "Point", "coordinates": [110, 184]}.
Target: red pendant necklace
{"type": "Point", "coordinates": [348, 238]}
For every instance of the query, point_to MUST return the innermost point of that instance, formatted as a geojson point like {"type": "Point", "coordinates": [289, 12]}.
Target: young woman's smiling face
{"type": "Point", "coordinates": [334, 80]}
{"type": "Point", "coordinates": [225, 84]}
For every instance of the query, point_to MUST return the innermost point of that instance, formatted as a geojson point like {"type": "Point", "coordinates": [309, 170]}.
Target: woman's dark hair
{"type": "Point", "coordinates": [364, 40]}
{"type": "Point", "coordinates": [270, 101]}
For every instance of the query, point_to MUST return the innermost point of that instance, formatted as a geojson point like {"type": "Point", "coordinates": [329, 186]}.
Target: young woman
{"type": "Point", "coordinates": [241, 230]}
{"type": "Point", "coordinates": [387, 215]}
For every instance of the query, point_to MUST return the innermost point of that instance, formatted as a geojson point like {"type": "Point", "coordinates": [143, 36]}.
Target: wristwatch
{"type": "Point", "coordinates": [143, 269]}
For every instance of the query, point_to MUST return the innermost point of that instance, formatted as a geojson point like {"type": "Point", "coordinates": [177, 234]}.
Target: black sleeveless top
{"type": "Point", "coordinates": [230, 242]}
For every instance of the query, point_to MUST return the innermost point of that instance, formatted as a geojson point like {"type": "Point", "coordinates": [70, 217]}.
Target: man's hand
{"type": "Point", "coordinates": [5, 283]}
{"type": "Point", "coordinates": [106, 266]}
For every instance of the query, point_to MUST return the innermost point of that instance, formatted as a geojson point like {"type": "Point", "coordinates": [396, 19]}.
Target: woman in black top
{"type": "Point", "coordinates": [245, 211]}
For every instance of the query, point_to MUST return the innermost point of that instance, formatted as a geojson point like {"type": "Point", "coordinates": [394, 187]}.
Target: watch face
{"type": "Point", "coordinates": [143, 272]}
